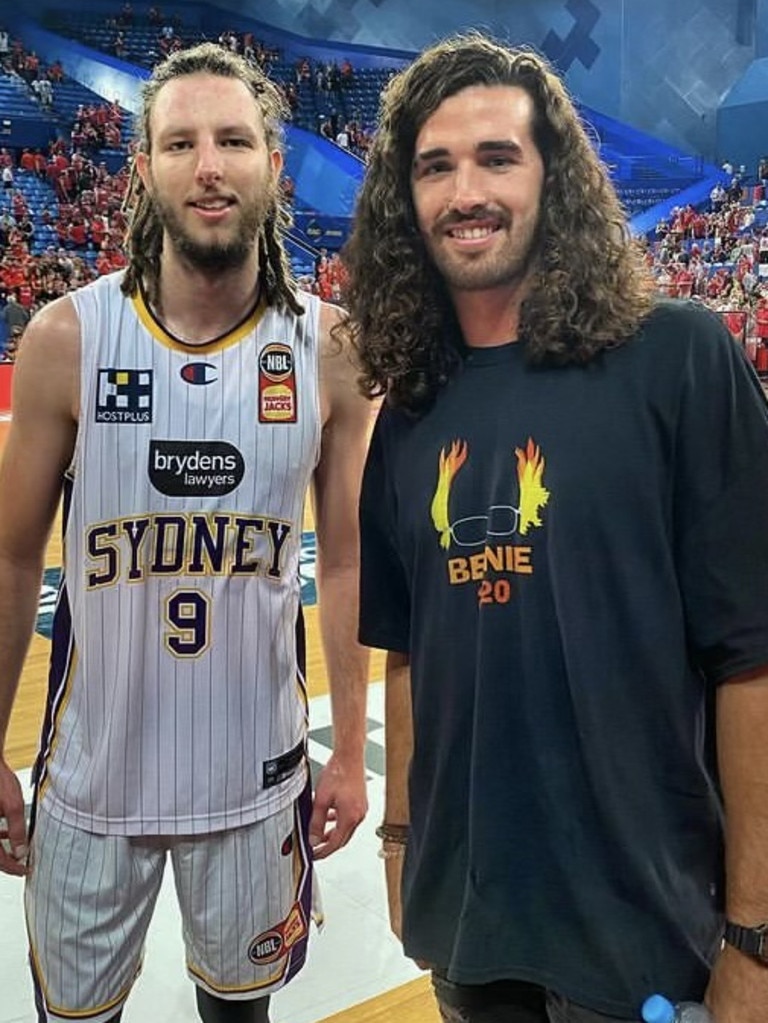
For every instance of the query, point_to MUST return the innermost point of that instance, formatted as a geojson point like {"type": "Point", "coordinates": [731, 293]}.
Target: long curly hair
{"type": "Point", "coordinates": [590, 287]}
{"type": "Point", "coordinates": [144, 241]}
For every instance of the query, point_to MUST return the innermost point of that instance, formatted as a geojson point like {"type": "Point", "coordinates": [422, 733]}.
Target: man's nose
{"type": "Point", "coordinates": [468, 190]}
{"type": "Point", "coordinates": [209, 162]}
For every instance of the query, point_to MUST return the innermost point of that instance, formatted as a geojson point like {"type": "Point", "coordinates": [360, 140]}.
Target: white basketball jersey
{"type": "Point", "coordinates": [177, 701]}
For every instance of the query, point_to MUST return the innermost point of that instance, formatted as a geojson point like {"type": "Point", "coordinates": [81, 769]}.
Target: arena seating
{"type": "Point", "coordinates": [643, 178]}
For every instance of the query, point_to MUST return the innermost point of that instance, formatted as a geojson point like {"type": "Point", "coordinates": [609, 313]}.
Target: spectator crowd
{"type": "Point", "coordinates": [717, 255]}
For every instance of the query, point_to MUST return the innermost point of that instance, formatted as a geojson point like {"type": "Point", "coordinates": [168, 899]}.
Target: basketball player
{"type": "Point", "coordinates": [564, 551]}
{"type": "Point", "coordinates": [184, 407]}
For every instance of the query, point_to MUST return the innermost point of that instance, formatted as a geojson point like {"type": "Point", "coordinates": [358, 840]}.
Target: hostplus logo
{"type": "Point", "coordinates": [124, 396]}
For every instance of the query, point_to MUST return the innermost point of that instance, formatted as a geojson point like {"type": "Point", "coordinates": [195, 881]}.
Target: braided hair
{"type": "Point", "coordinates": [144, 240]}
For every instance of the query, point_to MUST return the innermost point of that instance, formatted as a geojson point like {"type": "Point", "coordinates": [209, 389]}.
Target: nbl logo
{"type": "Point", "coordinates": [277, 942]}
{"type": "Point", "coordinates": [124, 396]}
{"type": "Point", "coordinates": [277, 384]}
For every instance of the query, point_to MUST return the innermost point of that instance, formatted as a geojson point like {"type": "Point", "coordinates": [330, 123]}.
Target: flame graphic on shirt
{"type": "Point", "coordinates": [449, 465]}
{"type": "Point", "coordinates": [533, 494]}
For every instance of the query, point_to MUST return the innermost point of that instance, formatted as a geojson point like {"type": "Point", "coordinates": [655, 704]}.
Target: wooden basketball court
{"type": "Point", "coordinates": [410, 1003]}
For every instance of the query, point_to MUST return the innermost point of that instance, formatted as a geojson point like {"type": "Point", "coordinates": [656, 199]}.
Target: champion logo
{"type": "Point", "coordinates": [199, 373]}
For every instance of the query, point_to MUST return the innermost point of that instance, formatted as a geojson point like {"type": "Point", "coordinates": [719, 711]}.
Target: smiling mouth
{"type": "Point", "coordinates": [212, 205]}
{"type": "Point", "coordinates": [472, 233]}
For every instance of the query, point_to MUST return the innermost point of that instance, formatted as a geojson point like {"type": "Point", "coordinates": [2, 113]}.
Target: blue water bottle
{"type": "Point", "coordinates": [658, 1009]}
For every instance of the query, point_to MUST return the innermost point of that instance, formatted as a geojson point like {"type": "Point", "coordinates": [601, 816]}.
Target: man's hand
{"type": "Point", "coordinates": [13, 828]}
{"type": "Point", "coordinates": [340, 804]}
{"type": "Point", "coordinates": [738, 988]}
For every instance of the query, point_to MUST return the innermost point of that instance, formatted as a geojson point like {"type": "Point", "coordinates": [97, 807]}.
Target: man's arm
{"type": "Point", "coordinates": [398, 733]}
{"type": "Point", "coordinates": [39, 448]}
{"type": "Point", "coordinates": [738, 989]}
{"type": "Point", "coordinates": [340, 799]}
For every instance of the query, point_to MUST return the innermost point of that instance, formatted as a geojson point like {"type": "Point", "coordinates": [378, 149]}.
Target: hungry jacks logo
{"type": "Point", "coordinates": [488, 548]}
{"type": "Point", "coordinates": [277, 384]}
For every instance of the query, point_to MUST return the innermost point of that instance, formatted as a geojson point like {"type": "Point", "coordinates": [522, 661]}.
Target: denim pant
{"type": "Point", "coordinates": [509, 1001]}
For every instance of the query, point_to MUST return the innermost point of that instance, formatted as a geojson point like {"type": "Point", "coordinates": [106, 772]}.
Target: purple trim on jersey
{"type": "Point", "coordinates": [42, 1014]}
{"type": "Point", "coordinates": [62, 650]}
{"type": "Point", "coordinates": [301, 659]}
{"type": "Point", "coordinates": [302, 813]}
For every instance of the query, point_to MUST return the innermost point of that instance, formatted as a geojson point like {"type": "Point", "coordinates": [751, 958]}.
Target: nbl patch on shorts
{"type": "Point", "coordinates": [277, 384]}
{"type": "Point", "coordinates": [124, 396]}
{"type": "Point", "coordinates": [278, 940]}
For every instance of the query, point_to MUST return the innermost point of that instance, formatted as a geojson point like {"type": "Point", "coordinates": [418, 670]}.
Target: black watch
{"type": "Point", "coordinates": [752, 941]}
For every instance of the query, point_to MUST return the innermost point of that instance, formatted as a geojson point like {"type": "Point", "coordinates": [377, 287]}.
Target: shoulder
{"type": "Point", "coordinates": [54, 331]}
{"type": "Point", "coordinates": [339, 372]}
{"type": "Point", "coordinates": [334, 348]}
{"type": "Point", "coordinates": [48, 367]}
{"type": "Point", "coordinates": [393, 428]}
{"type": "Point", "coordinates": [318, 323]}
{"type": "Point", "coordinates": [106, 287]}
{"type": "Point", "coordinates": [680, 332]}
{"type": "Point", "coordinates": [678, 314]}
{"type": "Point", "coordinates": [330, 317]}
{"type": "Point", "coordinates": [696, 357]}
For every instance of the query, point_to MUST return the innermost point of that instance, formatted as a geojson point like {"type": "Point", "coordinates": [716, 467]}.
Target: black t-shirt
{"type": "Point", "coordinates": [572, 558]}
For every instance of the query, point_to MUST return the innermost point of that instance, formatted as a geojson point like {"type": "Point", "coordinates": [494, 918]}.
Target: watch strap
{"type": "Point", "coordinates": [752, 941]}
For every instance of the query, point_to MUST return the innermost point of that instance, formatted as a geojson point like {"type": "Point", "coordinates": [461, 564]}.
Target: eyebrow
{"type": "Point", "coordinates": [488, 146]}
{"type": "Point", "coordinates": [186, 129]}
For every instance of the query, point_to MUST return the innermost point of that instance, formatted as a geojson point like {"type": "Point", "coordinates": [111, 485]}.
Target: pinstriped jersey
{"type": "Point", "coordinates": [177, 701]}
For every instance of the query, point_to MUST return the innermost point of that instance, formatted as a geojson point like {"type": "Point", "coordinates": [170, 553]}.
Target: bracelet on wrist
{"type": "Point", "coordinates": [396, 833]}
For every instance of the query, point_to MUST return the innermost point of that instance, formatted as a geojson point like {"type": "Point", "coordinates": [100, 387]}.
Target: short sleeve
{"type": "Point", "coordinates": [384, 591]}
{"type": "Point", "coordinates": [722, 506]}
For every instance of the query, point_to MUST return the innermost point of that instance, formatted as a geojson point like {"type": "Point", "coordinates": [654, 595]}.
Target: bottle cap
{"type": "Point", "coordinates": [658, 1009]}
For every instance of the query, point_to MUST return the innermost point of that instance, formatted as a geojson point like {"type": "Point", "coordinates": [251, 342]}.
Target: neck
{"type": "Point", "coordinates": [489, 317]}
{"type": "Point", "coordinates": [198, 307]}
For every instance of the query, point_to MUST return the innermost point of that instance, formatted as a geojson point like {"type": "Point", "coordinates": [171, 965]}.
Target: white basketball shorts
{"type": "Point", "coordinates": [245, 895]}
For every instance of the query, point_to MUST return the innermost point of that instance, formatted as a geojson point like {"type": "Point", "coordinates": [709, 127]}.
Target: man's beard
{"type": "Point", "coordinates": [511, 263]}
{"type": "Point", "coordinates": [215, 255]}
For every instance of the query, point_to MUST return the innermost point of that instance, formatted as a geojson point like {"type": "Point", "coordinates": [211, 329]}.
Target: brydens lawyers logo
{"type": "Point", "coordinates": [181, 468]}
{"type": "Point", "coordinates": [124, 396]}
{"type": "Point", "coordinates": [277, 384]}
{"type": "Point", "coordinates": [199, 373]}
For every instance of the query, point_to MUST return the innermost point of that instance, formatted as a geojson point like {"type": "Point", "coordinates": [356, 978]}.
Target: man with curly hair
{"type": "Point", "coordinates": [183, 407]}
{"type": "Point", "coordinates": [563, 552]}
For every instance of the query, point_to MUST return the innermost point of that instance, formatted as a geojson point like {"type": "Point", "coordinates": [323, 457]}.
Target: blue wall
{"type": "Point", "coordinates": [660, 65]}
{"type": "Point", "coordinates": [746, 107]}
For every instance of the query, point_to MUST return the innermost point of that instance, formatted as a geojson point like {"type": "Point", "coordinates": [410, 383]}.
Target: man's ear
{"type": "Point", "coordinates": [276, 159]}
{"type": "Point", "coordinates": [141, 162]}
